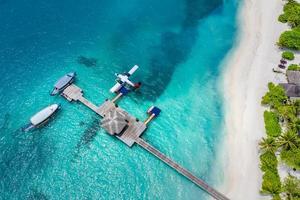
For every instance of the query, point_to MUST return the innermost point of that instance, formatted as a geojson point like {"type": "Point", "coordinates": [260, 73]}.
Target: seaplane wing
{"type": "Point", "coordinates": [129, 82]}
{"type": "Point", "coordinates": [123, 79]}
{"type": "Point", "coordinates": [115, 88]}
{"type": "Point", "coordinates": [133, 69]}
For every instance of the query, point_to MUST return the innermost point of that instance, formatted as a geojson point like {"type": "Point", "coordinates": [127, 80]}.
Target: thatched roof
{"type": "Point", "coordinates": [114, 122]}
{"type": "Point", "coordinates": [291, 90]}
{"type": "Point", "coordinates": [293, 77]}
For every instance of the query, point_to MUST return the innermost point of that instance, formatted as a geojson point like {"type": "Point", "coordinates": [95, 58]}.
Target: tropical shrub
{"type": "Point", "coordinates": [295, 125]}
{"type": "Point", "coordinates": [275, 97]}
{"type": "Point", "coordinates": [288, 112]}
{"type": "Point", "coordinates": [271, 183]}
{"type": "Point", "coordinates": [291, 14]}
{"type": "Point", "coordinates": [290, 39]}
{"type": "Point", "coordinates": [291, 187]}
{"type": "Point", "coordinates": [288, 55]}
{"type": "Point", "coordinates": [291, 157]}
{"type": "Point", "coordinates": [273, 128]}
{"type": "Point", "coordinates": [294, 67]}
{"type": "Point", "coordinates": [282, 18]}
{"type": "Point", "coordinates": [276, 197]}
{"type": "Point", "coordinates": [268, 161]}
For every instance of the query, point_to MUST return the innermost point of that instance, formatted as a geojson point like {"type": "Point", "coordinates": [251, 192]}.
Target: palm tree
{"type": "Point", "coordinates": [288, 140]}
{"type": "Point", "coordinates": [291, 187]}
{"type": "Point", "coordinates": [268, 144]}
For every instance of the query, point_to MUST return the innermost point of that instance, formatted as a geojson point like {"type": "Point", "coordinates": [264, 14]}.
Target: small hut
{"type": "Point", "coordinates": [291, 90]}
{"type": "Point", "coordinates": [115, 122]}
{"type": "Point", "coordinates": [293, 77]}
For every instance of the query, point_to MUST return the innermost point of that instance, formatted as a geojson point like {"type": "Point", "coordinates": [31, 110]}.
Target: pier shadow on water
{"type": "Point", "coordinates": [35, 194]}
{"type": "Point", "coordinates": [88, 136]}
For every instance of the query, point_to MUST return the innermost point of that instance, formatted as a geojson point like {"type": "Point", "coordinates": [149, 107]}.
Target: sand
{"type": "Point", "coordinates": [247, 73]}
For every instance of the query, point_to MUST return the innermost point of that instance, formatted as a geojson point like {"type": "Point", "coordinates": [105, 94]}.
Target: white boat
{"type": "Point", "coordinates": [63, 82]}
{"type": "Point", "coordinates": [41, 117]}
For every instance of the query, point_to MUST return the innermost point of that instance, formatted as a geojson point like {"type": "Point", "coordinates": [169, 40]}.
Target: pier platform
{"type": "Point", "coordinates": [134, 129]}
{"type": "Point", "coordinates": [74, 93]}
{"type": "Point", "coordinates": [119, 123]}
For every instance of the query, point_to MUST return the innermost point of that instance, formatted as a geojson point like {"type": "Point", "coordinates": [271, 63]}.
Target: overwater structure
{"type": "Point", "coordinates": [120, 124]}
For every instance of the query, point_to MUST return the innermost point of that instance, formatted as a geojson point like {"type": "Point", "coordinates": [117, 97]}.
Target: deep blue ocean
{"type": "Point", "coordinates": [179, 46]}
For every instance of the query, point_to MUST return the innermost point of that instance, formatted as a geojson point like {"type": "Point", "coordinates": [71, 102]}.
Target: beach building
{"type": "Point", "coordinates": [292, 88]}
{"type": "Point", "coordinates": [293, 77]}
{"type": "Point", "coordinates": [127, 128]}
{"type": "Point", "coordinates": [115, 122]}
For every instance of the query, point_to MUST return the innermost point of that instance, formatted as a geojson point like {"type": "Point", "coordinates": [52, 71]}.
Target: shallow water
{"type": "Point", "coordinates": [178, 45]}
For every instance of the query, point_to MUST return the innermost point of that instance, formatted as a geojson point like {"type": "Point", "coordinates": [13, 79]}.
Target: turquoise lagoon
{"type": "Point", "coordinates": [179, 46]}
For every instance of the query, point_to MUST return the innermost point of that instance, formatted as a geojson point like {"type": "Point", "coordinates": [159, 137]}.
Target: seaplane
{"type": "Point", "coordinates": [123, 80]}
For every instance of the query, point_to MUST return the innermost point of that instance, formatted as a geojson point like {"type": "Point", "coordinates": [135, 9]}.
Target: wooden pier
{"type": "Point", "coordinates": [131, 133]}
{"type": "Point", "coordinates": [214, 193]}
{"type": "Point", "coordinates": [74, 93]}
{"type": "Point", "coordinates": [135, 127]}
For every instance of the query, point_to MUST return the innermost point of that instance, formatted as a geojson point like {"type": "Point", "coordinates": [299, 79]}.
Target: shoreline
{"type": "Point", "coordinates": [248, 69]}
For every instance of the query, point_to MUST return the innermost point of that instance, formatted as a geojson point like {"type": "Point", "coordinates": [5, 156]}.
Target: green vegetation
{"type": "Point", "coordinates": [275, 97]}
{"type": "Point", "coordinates": [291, 14]}
{"type": "Point", "coordinates": [287, 142]}
{"type": "Point", "coordinates": [291, 157]}
{"type": "Point", "coordinates": [290, 144]}
{"type": "Point", "coordinates": [271, 183]}
{"type": "Point", "coordinates": [294, 67]}
{"type": "Point", "coordinates": [268, 161]}
{"type": "Point", "coordinates": [290, 39]}
{"type": "Point", "coordinates": [291, 187]}
{"type": "Point", "coordinates": [268, 144]}
{"type": "Point", "coordinates": [288, 55]}
{"type": "Point", "coordinates": [276, 197]}
{"type": "Point", "coordinates": [288, 112]}
{"type": "Point", "coordinates": [272, 125]}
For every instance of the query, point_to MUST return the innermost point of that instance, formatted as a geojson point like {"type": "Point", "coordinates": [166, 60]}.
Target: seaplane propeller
{"type": "Point", "coordinates": [123, 80]}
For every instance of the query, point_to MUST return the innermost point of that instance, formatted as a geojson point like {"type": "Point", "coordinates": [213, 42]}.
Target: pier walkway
{"type": "Point", "coordinates": [200, 183]}
{"type": "Point", "coordinates": [132, 132]}
{"type": "Point", "coordinates": [74, 93]}
{"type": "Point", "coordinates": [135, 127]}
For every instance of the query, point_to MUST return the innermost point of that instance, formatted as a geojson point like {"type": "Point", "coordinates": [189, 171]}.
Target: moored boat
{"type": "Point", "coordinates": [63, 82]}
{"type": "Point", "coordinates": [41, 117]}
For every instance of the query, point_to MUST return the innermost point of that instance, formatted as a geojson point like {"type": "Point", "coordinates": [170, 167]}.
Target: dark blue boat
{"type": "Point", "coordinates": [63, 82]}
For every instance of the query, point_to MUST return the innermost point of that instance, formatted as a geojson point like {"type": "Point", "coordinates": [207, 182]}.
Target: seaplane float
{"type": "Point", "coordinates": [123, 81]}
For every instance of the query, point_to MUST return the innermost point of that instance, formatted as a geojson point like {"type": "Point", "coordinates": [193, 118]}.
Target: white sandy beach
{"type": "Point", "coordinates": [248, 71]}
